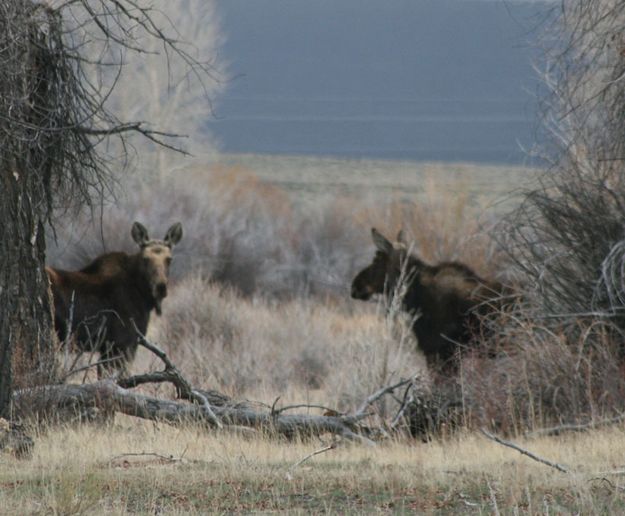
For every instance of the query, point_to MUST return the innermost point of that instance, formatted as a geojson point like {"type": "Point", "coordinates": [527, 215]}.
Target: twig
{"type": "Point", "coordinates": [68, 336]}
{"type": "Point", "coordinates": [493, 499]}
{"type": "Point", "coordinates": [273, 407]}
{"type": "Point", "coordinates": [616, 472]}
{"type": "Point", "coordinates": [406, 401]}
{"type": "Point", "coordinates": [185, 390]}
{"type": "Point", "coordinates": [171, 458]}
{"type": "Point", "coordinates": [86, 368]}
{"type": "Point", "coordinates": [307, 405]}
{"type": "Point", "coordinates": [377, 395]}
{"type": "Point", "coordinates": [607, 481]}
{"type": "Point", "coordinates": [523, 451]}
{"type": "Point", "coordinates": [331, 446]}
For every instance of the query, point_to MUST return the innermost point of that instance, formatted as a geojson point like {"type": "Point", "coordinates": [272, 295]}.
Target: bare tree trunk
{"type": "Point", "coordinates": [25, 318]}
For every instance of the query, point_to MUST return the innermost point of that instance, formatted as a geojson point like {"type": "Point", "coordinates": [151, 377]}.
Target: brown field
{"type": "Point", "coordinates": [259, 308]}
{"type": "Point", "coordinates": [138, 468]}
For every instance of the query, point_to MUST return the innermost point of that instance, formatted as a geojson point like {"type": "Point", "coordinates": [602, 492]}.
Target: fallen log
{"type": "Point", "coordinates": [66, 401]}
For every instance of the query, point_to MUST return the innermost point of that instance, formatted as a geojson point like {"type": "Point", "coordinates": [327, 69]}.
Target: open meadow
{"type": "Point", "coordinates": [189, 331]}
{"type": "Point", "coordinates": [141, 468]}
{"type": "Point", "coordinates": [259, 309]}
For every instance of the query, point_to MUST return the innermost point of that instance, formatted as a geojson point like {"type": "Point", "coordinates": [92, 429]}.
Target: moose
{"type": "Point", "coordinates": [101, 304]}
{"type": "Point", "coordinates": [448, 300]}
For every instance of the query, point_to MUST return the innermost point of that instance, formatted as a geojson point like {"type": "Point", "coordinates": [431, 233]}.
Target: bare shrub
{"type": "Point", "coordinates": [545, 377]}
{"type": "Point", "coordinates": [567, 227]}
{"type": "Point", "coordinates": [561, 353]}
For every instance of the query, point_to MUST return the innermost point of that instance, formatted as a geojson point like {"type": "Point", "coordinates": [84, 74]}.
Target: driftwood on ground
{"type": "Point", "coordinates": [422, 413]}
{"type": "Point", "coordinates": [106, 396]}
{"type": "Point", "coordinates": [78, 402]}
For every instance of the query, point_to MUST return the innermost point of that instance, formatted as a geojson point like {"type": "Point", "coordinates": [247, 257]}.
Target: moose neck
{"type": "Point", "coordinates": [135, 276]}
{"type": "Point", "coordinates": [412, 269]}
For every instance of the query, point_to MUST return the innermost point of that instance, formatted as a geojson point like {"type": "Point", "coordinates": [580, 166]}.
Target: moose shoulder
{"type": "Point", "coordinates": [447, 299]}
{"type": "Point", "coordinates": [99, 303]}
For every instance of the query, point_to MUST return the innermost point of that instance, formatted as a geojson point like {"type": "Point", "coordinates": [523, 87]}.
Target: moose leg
{"type": "Point", "coordinates": [112, 361]}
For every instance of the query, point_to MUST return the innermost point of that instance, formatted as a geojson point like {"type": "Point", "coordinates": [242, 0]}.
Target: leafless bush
{"type": "Point", "coordinates": [545, 378]}
{"type": "Point", "coordinates": [563, 353]}
{"type": "Point", "coordinates": [568, 226]}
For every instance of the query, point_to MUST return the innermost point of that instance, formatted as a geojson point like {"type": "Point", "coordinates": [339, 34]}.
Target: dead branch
{"type": "Point", "coordinates": [377, 395]}
{"type": "Point", "coordinates": [407, 399]}
{"type": "Point", "coordinates": [164, 458]}
{"type": "Point", "coordinates": [328, 410]}
{"type": "Point", "coordinates": [523, 451]}
{"type": "Point", "coordinates": [331, 446]}
{"type": "Point", "coordinates": [581, 427]}
{"type": "Point", "coordinates": [49, 403]}
{"type": "Point", "coordinates": [73, 403]}
{"type": "Point", "coordinates": [185, 391]}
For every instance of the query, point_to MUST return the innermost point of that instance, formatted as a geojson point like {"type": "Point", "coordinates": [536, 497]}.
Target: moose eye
{"type": "Point", "coordinates": [168, 261]}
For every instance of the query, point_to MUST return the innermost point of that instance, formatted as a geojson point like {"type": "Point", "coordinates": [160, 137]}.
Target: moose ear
{"type": "Point", "coordinates": [381, 242]}
{"type": "Point", "coordinates": [174, 234]}
{"type": "Point", "coordinates": [401, 237]}
{"type": "Point", "coordinates": [139, 234]}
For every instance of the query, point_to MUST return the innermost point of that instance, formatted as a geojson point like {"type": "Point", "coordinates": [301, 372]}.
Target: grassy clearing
{"type": "Point", "coordinates": [259, 308]}
{"type": "Point", "coordinates": [87, 471]}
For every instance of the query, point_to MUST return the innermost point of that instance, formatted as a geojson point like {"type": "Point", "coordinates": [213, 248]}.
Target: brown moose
{"type": "Point", "coordinates": [447, 300]}
{"type": "Point", "coordinates": [103, 300]}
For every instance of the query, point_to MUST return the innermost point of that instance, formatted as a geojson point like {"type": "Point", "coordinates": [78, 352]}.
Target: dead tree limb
{"type": "Point", "coordinates": [581, 427]}
{"type": "Point", "coordinates": [523, 451]}
{"type": "Point", "coordinates": [58, 401]}
{"type": "Point", "coordinates": [72, 402]}
{"type": "Point", "coordinates": [185, 391]}
{"type": "Point", "coordinates": [377, 395]}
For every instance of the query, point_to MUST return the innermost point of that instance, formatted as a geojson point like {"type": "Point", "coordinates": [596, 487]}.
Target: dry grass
{"type": "Point", "coordinates": [545, 377]}
{"type": "Point", "coordinates": [335, 353]}
{"type": "Point", "coordinates": [86, 471]}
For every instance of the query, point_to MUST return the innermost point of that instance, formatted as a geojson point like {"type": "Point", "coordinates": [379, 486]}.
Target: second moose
{"type": "Point", "coordinates": [447, 300]}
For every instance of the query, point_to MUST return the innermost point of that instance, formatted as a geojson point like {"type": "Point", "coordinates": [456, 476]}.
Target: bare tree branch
{"type": "Point", "coordinates": [523, 451]}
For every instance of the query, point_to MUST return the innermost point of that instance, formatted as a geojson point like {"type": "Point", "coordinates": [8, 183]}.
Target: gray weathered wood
{"type": "Point", "coordinates": [64, 402]}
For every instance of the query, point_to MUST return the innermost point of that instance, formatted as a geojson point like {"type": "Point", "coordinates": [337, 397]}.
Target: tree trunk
{"type": "Point", "coordinates": [25, 317]}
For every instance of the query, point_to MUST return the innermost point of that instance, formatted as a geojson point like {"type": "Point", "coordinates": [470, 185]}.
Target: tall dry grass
{"type": "Point", "coordinates": [543, 377]}
{"type": "Point", "coordinates": [147, 469]}
{"type": "Point", "coordinates": [334, 353]}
